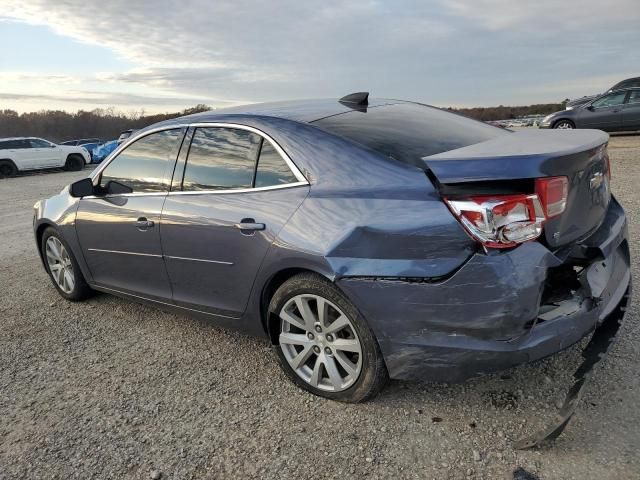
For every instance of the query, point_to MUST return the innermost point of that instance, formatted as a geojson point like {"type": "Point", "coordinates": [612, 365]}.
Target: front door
{"type": "Point", "coordinates": [219, 222]}
{"type": "Point", "coordinates": [605, 113]}
{"type": "Point", "coordinates": [119, 229]}
{"type": "Point", "coordinates": [631, 111]}
{"type": "Point", "coordinates": [43, 153]}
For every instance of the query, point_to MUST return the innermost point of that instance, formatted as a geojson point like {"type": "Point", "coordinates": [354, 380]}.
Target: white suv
{"type": "Point", "coordinates": [30, 153]}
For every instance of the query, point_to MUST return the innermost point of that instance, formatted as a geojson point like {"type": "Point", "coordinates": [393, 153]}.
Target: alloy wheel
{"type": "Point", "coordinates": [564, 125]}
{"type": "Point", "coordinates": [60, 264]}
{"type": "Point", "coordinates": [320, 343]}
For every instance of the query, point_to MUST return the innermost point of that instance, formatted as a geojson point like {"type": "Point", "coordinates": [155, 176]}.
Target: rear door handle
{"type": "Point", "coordinates": [249, 225]}
{"type": "Point", "coordinates": [143, 223]}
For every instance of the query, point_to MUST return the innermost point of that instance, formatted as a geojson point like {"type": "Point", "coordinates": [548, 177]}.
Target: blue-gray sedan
{"type": "Point", "coordinates": [366, 238]}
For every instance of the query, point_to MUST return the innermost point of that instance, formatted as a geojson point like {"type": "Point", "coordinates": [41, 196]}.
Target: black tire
{"type": "Point", "coordinates": [74, 163]}
{"type": "Point", "coordinates": [373, 373]}
{"type": "Point", "coordinates": [7, 169]}
{"type": "Point", "coordinates": [564, 124]}
{"type": "Point", "coordinates": [81, 289]}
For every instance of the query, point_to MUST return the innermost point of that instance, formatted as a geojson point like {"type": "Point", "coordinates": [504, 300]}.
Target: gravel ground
{"type": "Point", "coordinates": [113, 389]}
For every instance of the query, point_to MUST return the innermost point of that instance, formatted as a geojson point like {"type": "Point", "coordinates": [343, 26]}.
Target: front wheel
{"type": "Point", "coordinates": [564, 125]}
{"type": "Point", "coordinates": [324, 344]}
{"type": "Point", "coordinates": [74, 163]}
{"type": "Point", "coordinates": [63, 268]}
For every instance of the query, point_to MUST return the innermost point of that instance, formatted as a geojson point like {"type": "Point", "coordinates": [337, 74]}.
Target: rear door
{"type": "Point", "coordinates": [605, 113]}
{"type": "Point", "coordinates": [119, 232]}
{"type": "Point", "coordinates": [18, 151]}
{"type": "Point", "coordinates": [631, 111]}
{"type": "Point", "coordinates": [222, 215]}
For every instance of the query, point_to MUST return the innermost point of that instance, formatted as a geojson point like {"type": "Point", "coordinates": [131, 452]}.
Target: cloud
{"type": "Point", "coordinates": [546, 15]}
{"type": "Point", "coordinates": [100, 98]}
{"type": "Point", "coordinates": [440, 51]}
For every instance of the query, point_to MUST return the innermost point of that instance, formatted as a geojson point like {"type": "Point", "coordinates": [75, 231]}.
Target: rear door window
{"type": "Point", "coordinates": [14, 144]}
{"type": "Point", "coordinates": [221, 158]}
{"type": "Point", "coordinates": [634, 96]}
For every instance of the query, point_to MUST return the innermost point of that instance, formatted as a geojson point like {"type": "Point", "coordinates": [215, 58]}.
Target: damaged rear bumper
{"type": "Point", "coordinates": [497, 311]}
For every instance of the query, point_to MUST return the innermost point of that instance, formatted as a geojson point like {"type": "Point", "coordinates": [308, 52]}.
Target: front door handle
{"type": "Point", "coordinates": [249, 225]}
{"type": "Point", "coordinates": [143, 223]}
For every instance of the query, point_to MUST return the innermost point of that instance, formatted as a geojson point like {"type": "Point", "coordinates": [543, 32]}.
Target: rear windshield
{"type": "Point", "coordinates": [408, 131]}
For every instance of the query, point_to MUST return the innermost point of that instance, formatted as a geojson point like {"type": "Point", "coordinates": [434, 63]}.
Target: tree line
{"type": "Point", "coordinates": [58, 125]}
{"type": "Point", "coordinates": [506, 113]}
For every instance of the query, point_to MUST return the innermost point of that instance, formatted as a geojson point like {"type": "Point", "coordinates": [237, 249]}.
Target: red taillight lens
{"type": "Point", "coordinates": [500, 221]}
{"type": "Point", "coordinates": [553, 192]}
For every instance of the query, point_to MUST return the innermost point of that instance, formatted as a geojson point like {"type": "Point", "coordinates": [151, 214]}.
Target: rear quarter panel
{"type": "Point", "coordinates": [365, 216]}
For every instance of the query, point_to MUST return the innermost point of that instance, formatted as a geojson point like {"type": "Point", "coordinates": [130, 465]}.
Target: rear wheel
{"type": "Point", "coordinates": [74, 163]}
{"type": "Point", "coordinates": [7, 169]}
{"type": "Point", "coordinates": [564, 125]}
{"type": "Point", "coordinates": [63, 267]}
{"type": "Point", "coordinates": [324, 344]}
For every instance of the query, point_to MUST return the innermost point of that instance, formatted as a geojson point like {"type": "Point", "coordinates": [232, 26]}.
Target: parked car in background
{"type": "Point", "coordinates": [398, 241]}
{"type": "Point", "coordinates": [100, 152]}
{"type": "Point", "coordinates": [90, 147]}
{"type": "Point", "coordinates": [82, 141]}
{"type": "Point", "coordinates": [495, 123]}
{"type": "Point", "coordinates": [124, 135]}
{"type": "Point", "coordinates": [628, 83]}
{"type": "Point", "coordinates": [614, 111]}
{"type": "Point", "coordinates": [31, 153]}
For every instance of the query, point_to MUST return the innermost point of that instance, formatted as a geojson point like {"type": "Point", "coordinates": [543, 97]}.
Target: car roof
{"type": "Point", "coordinates": [626, 89]}
{"type": "Point", "coordinates": [632, 79]}
{"type": "Point", "coordinates": [305, 111]}
{"type": "Point", "coordinates": [21, 138]}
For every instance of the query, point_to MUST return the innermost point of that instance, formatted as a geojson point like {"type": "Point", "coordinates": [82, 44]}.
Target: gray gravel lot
{"type": "Point", "coordinates": [112, 389]}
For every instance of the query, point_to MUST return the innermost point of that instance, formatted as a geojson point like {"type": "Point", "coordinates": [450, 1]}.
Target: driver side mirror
{"type": "Point", "coordinates": [591, 108]}
{"type": "Point", "coordinates": [82, 188]}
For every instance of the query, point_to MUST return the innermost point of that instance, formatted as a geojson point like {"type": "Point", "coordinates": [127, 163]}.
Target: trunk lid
{"type": "Point", "coordinates": [511, 160]}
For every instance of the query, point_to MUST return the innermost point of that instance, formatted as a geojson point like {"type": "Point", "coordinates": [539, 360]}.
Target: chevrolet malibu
{"type": "Point", "coordinates": [368, 239]}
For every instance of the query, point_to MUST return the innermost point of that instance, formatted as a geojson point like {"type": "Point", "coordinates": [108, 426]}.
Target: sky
{"type": "Point", "coordinates": [161, 56]}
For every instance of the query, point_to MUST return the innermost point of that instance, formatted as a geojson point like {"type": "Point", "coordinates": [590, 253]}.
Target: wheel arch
{"type": "Point", "coordinates": [269, 319]}
{"type": "Point", "coordinates": [9, 160]}
{"type": "Point", "coordinates": [75, 155]}
{"type": "Point", "coordinates": [563, 119]}
{"type": "Point", "coordinates": [39, 233]}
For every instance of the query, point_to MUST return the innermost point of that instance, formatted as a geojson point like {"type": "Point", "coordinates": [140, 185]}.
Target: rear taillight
{"type": "Point", "coordinates": [504, 221]}
{"type": "Point", "coordinates": [552, 192]}
{"type": "Point", "coordinates": [500, 221]}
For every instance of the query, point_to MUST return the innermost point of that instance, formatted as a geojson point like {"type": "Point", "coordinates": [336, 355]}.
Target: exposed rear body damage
{"type": "Point", "coordinates": [489, 315]}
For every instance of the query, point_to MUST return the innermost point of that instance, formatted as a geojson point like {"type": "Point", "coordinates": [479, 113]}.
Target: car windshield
{"type": "Point", "coordinates": [409, 131]}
